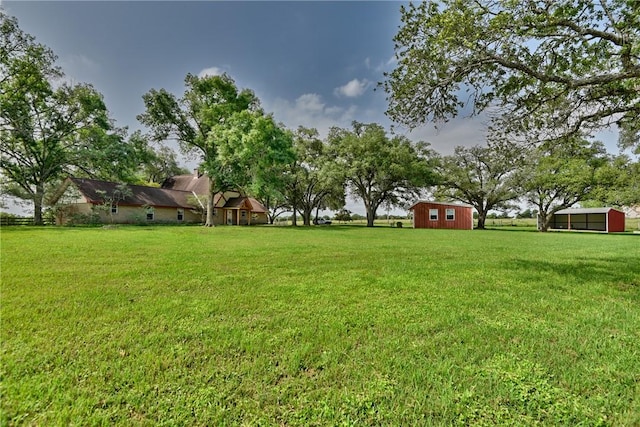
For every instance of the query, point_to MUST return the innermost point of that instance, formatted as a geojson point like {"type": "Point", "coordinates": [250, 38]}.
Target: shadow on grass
{"type": "Point", "coordinates": [517, 229]}
{"type": "Point", "coordinates": [622, 272]}
{"type": "Point", "coordinates": [573, 233]}
{"type": "Point", "coordinates": [338, 227]}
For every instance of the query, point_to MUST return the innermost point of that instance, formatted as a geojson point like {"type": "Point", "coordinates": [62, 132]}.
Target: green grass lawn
{"type": "Point", "coordinates": [337, 325]}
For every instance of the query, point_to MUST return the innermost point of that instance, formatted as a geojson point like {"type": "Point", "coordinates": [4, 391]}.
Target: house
{"type": "Point", "coordinates": [429, 214]}
{"type": "Point", "coordinates": [82, 198]}
{"type": "Point", "coordinates": [632, 211]}
{"type": "Point", "coordinates": [607, 220]}
{"type": "Point", "coordinates": [229, 207]}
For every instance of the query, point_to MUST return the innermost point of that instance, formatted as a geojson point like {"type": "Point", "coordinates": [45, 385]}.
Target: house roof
{"type": "Point", "coordinates": [198, 184]}
{"type": "Point", "coordinates": [94, 191]}
{"type": "Point", "coordinates": [464, 205]}
{"type": "Point", "coordinates": [574, 211]}
{"type": "Point", "coordinates": [250, 202]}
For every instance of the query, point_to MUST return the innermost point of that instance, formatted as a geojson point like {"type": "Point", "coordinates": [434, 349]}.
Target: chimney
{"type": "Point", "coordinates": [196, 173]}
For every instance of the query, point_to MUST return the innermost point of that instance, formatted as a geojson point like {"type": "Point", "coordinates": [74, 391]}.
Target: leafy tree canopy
{"type": "Point", "coordinates": [237, 143]}
{"type": "Point", "coordinates": [481, 177]}
{"type": "Point", "coordinates": [312, 180]}
{"type": "Point", "coordinates": [48, 128]}
{"type": "Point", "coordinates": [379, 169]}
{"type": "Point", "coordinates": [557, 176]}
{"type": "Point", "coordinates": [523, 56]}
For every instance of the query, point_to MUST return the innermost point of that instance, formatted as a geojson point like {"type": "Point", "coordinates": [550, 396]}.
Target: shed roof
{"type": "Point", "coordinates": [464, 205]}
{"type": "Point", "coordinates": [574, 211]}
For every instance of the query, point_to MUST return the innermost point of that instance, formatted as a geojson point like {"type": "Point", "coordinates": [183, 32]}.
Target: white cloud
{"type": "Point", "coordinates": [352, 89]}
{"type": "Point", "coordinates": [459, 131]}
{"type": "Point", "coordinates": [392, 61]}
{"type": "Point", "coordinates": [310, 102]}
{"type": "Point", "coordinates": [77, 68]}
{"type": "Point", "coordinates": [211, 71]}
{"type": "Point", "coordinates": [310, 110]}
{"type": "Point", "coordinates": [380, 66]}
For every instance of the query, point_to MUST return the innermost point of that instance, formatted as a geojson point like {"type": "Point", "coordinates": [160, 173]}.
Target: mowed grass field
{"type": "Point", "coordinates": [338, 325]}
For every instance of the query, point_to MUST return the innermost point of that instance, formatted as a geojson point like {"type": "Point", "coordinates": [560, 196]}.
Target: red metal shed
{"type": "Point", "coordinates": [427, 214]}
{"type": "Point", "coordinates": [608, 220]}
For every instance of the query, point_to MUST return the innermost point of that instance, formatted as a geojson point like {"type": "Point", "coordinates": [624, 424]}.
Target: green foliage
{"type": "Point", "coordinates": [158, 164]}
{"type": "Point", "coordinates": [618, 183]}
{"type": "Point", "coordinates": [110, 201]}
{"type": "Point", "coordinates": [569, 65]}
{"type": "Point", "coordinates": [481, 177]}
{"type": "Point", "coordinates": [312, 180]}
{"type": "Point", "coordinates": [378, 169]}
{"type": "Point", "coordinates": [50, 130]}
{"type": "Point", "coordinates": [343, 215]}
{"type": "Point", "coordinates": [335, 325]}
{"type": "Point", "coordinates": [559, 175]}
{"type": "Point", "coordinates": [527, 213]}
{"type": "Point", "coordinates": [240, 147]}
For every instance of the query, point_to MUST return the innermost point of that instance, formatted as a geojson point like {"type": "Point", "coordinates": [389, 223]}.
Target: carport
{"type": "Point", "coordinates": [605, 220]}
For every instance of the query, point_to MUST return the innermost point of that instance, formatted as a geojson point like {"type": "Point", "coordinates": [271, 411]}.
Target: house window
{"type": "Point", "coordinates": [450, 214]}
{"type": "Point", "coordinates": [150, 213]}
{"type": "Point", "coordinates": [243, 214]}
{"type": "Point", "coordinates": [180, 214]}
{"type": "Point", "coordinates": [114, 208]}
{"type": "Point", "coordinates": [433, 214]}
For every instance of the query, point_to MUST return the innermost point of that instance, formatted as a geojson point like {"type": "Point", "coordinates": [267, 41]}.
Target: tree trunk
{"type": "Point", "coordinates": [544, 222]}
{"type": "Point", "coordinates": [315, 220]}
{"type": "Point", "coordinates": [209, 222]}
{"type": "Point", "coordinates": [371, 216]}
{"type": "Point", "coordinates": [37, 205]}
{"type": "Point", "coordinates": [306, 216]}
{"type": "Point", "coordinates": [482, 218]}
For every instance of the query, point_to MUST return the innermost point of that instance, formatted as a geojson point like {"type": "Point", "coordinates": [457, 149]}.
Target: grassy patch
{"type": "Point", "coordinates": [320, 326]}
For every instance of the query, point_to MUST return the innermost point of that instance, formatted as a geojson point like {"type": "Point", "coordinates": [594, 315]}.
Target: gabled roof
{"type": "Point", "coordinates": [440, 203]}
{"type": "Point", "coordinates": [95, 190]}
{"type": "Point", "coordinates": [245, 203]}
{"type": "Point", "coordinates": [574, 211]}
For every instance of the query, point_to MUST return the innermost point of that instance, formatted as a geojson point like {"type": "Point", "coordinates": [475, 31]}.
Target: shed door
{"type": "Point", "coordinates": [229, 217]}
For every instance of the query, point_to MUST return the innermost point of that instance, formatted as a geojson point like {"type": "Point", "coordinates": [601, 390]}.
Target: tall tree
{"type": "Point", "coordinates": [379, 169]}
{"type": "Point", "coordinates": [618, 183]}
{"type": "Point", "coordinates": [481, 177]}
{"type": "Point", "coordinates": [223, 125]}
{"type": "Point", "coordinates": [557, 176]}
{"type": "Point", "coordinates": [253, 152]}
{"type": "Point", "coordinates": [522, 56]}
{"type": "Point", "coordinates": [160, 164]}
{"type": "Point", "coordinates": [271, 190]}
{"type": "Point", "coordinates": [49, 131]}
{"type": "Point", "coordinates": [313, 182]}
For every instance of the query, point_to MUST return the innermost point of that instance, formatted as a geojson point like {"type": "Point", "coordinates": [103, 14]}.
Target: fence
{"type": "Point", "coordinates": [9, 220]}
